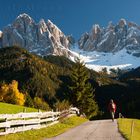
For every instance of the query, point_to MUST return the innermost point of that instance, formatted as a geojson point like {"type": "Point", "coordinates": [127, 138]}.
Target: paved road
{"type": "Point", "coordinates": [92, 130]}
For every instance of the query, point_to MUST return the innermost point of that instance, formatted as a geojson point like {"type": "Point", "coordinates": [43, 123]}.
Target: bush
{"type": "Point", "coordinates": [11, 94]}
{"type": "Point", "coordinates": [29, 101]}
{"type": "Point", "coordinates": [40, 104]}
{"type": "Point", "coordinates": [64, 105]}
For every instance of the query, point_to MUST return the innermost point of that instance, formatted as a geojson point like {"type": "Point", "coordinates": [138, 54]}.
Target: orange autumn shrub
{"type": "Point", "coordinates": [10, 93]}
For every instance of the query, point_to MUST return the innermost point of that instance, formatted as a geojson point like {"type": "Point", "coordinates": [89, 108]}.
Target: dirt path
{"type": "Point", "coordinates": [92, 130]}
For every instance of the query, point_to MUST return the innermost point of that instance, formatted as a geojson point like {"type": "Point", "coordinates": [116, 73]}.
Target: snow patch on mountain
{"type": "Point", "coordinates": [99, 60]}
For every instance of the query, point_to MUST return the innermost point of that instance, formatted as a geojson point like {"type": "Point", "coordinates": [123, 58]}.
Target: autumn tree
{"type": "Point", "coordinates": [9, 93]}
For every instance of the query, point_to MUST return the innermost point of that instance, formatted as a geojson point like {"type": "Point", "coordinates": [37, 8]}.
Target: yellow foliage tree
{"type": "Point", "coordinates": [11, 94]}
{"type": "Point", "coordinates": [3, 91]}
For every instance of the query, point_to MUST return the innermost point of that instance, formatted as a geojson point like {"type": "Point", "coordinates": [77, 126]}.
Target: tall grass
{"type": "Point", "coordinates": [130, 128]}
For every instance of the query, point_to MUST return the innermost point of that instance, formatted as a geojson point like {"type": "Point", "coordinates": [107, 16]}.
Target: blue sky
{"type": "Point", "coordinates": [71, 16]}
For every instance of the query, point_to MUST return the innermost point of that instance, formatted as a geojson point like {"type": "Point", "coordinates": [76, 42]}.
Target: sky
{"type": "Point", "coordinates": [73, 17]}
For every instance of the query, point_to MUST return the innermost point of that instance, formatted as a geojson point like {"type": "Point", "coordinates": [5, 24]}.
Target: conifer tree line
{"type": "Point", "coordinates": [81, 91]}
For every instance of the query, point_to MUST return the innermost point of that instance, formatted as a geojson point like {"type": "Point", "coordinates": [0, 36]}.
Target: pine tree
{"type": "Point", "coordinates": [81, 90]}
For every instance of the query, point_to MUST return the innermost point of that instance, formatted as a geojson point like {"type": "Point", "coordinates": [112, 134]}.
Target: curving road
{"type": "Point", "coordinates": [92, 130]}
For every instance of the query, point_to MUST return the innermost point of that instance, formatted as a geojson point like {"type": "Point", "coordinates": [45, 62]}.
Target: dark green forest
{"type": "Point", "coordinates": [49, 78]}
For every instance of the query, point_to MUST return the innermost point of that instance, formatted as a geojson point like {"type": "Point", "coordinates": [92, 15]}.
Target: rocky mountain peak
{"type": "Point", "coordinates": [83, 40]}
{"type": "Point", "coordinates": [59, 36]}
{"type": "Point", "coordinates": [42, 26]}
{"type": "Point", "coordinates": [53, 28]}
{"type": "Point", "coordinates": [50, 23]}
{"type": "Point", "coordinates": [95, 32]}
{"type": "Point", "coordinates": [42, 38]}
{"type": "Point", "coordinates": [24, 19]}
{"type": "Point", "coordinates": [110, 26]}
{"type": "Point", "coordinates": [24, 16]}
{"type": "Point", "coordinates": [42, 22]}
{"type": "Point", "coordinates": [96, 29]}
{"type": "Point", "coordinates": [71, 39]}
{"type": "Point", "coordinates": [122, 22]}
{"type": "Point", "coordinates": [133, 25]}
{"type": "Point", "coordinates": [113, 38]}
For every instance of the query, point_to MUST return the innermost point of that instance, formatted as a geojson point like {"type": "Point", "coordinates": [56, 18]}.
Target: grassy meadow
{"type": "Point", "coordinates": [130, 128]}
{"type": "Point", "coordinates": [12, 109]}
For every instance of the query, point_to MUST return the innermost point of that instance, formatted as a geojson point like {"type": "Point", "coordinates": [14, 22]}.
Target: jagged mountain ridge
{"type": "Point", "coordinates": [120, 42]}
{"type": "Point", "coordinates": [113, 38]}
{"type": "Point", "coordinates": [41, 38]}
{"type": "Point", "coordinates": [45, 38]}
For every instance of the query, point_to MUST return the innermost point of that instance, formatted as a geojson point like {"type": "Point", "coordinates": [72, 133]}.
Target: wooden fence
{"type": "Point", "coordinates": [12, 123]}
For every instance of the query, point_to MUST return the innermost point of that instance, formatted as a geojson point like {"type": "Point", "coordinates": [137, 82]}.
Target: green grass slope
{"type": "Point", "coordinates": [12, 109]}
{"type": "Point", "coordinates": [130, 128]}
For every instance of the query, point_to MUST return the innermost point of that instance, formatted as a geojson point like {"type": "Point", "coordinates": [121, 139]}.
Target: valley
{"type": "Point", "coordinates": [41, 58]}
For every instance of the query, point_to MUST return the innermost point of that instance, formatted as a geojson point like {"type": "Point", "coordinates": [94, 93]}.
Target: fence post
{"type": "Point", "coordinates": [132, 128]}
{"type": "Point", "coordinates": [53, 115]}
{"type": "Point", "coordinates": [6, 126]}
{"type": "Point", "coordinates": [24, 111]}
{"type": "Point", "coordinates": [119, 115]}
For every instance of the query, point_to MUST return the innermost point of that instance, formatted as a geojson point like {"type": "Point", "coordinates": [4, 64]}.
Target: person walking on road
{"type": "Point", "coordinates": [112, 109]}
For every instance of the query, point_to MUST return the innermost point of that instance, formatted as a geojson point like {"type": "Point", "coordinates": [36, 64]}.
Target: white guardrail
{"type": "Point", "coordinates": [12, 123]}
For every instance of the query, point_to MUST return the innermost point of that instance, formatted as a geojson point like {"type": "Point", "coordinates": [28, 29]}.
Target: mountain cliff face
{"type": "Point", "coordinates": [120, 42]}
{"type": "Point", "coordinates": [45, 38]}
{"type": "Point", "coordinates": [113, 38]}
{"type": "Point", "coordinates": [41, 38]}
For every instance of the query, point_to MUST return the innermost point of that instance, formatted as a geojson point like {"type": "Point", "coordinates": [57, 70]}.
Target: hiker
{"type": "Point", "coordinates": [112, 109]}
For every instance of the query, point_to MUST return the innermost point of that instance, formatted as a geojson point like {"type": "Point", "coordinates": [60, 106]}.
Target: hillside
{"type": "Point", "coordinates": [48, 78]}
{"type": "Point", "coordinates": [35, 75]}
{"type": "Point", "coordinates": [133, 74]}
{"type": "Point", "coordinates": [132, 78]}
